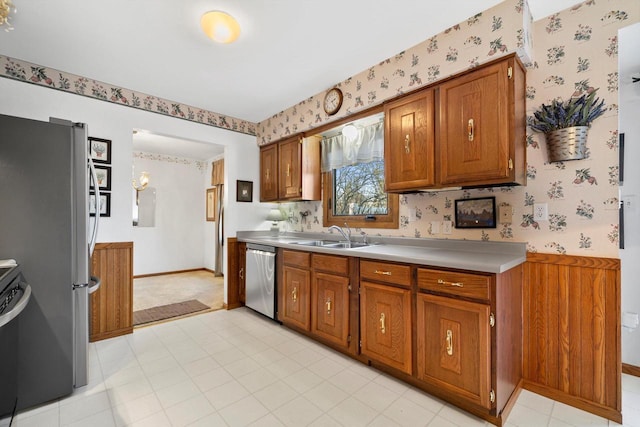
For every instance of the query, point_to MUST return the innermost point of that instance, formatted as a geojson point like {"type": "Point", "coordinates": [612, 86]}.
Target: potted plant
{"type": "Point", "coordinates": [565, 125]}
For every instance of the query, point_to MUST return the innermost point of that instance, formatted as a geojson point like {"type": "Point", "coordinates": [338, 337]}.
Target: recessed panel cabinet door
{"type": "Point", "coordinates": [330, 308]}
{"type": "Point", "coordinates": [290, 161]}
{"type": "Point", "coordinates": [454, 346]}
{"type": "Point", "coordinates": [385, 322]}
{"type": "Point", "coordinates": [475, 126]}
{"type": "Point", "coordinates": [296, 297]}
{"type": "Point", "coordinates": [409, 142]}
{"type": "Point", "coordinates": [269, 173]}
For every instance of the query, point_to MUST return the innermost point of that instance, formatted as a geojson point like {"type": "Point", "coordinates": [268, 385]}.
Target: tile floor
{"type": "Point", "coordinates": [235, 368]}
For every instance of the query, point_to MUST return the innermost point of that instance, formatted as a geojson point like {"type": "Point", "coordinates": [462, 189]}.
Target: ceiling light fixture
{"type": "Point", "coordinates": [350, 132]}
{"type": "Point", "coordinates": [6, 7]}
{"type": "Point", "coordinates": [219, 26]}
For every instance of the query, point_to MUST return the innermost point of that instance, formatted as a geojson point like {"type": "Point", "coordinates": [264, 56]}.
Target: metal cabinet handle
{"type": "Point", "coordinates": [384, 273]}
{"type": "Point", "coordinates": [449, 341]}
{"type": "Point", "coordinates": [267, 174]}
{"type": "Point", "coordinates": [407, 144]}
{"type": "Point", "coordinates": [242, 273]}
{"type": "Point", "coordinates": [294, 294]}
{"type": "Point", "coordinates": [288, 168]}
{"type": "Point", "coordinates": [328, 303]}
{"type": "Point", "coordinates": [470, 129]}
{"type": "Point", "coordinates": [383, 327]}
{"type": "Point", "coordinates": [444, 282]}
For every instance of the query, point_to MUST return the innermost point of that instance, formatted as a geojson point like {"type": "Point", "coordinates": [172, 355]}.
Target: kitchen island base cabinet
{"type": "Point", "coordinates": [385, 325]}
{"type": "Point", "coordinates": [454, 346]}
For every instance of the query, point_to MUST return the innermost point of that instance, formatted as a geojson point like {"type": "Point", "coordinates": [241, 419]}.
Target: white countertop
{"type": "Point", "coordinates": [489, 257]}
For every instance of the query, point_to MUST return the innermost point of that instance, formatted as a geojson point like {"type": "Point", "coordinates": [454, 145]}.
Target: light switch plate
{"type": "Point", "coordinates": [446, 227]}
{"type": "Point", "coordinates": [505, 214]}
{"type": "Point", "coordinates": [435, 227]}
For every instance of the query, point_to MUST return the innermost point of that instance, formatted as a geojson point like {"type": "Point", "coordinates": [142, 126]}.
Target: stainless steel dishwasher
{"type": "Point", "coordinates": [260, 281]}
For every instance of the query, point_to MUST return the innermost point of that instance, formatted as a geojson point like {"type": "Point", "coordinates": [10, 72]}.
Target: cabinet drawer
{"type": "Point", "coordinates": [296, 259]}
{"type": "Point", "coordinates": [331, 264]}
{"type": "Point", "coordinates": [386, 272]}
{"type": "Point", "coordinates": [453, 283]}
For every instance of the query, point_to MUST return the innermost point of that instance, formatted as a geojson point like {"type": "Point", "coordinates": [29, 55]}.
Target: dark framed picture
{"type": "Point", "coordinates": [244, 191]}
{"type": "Point", "coordinates": [103, 174]}
{"type": "Point", "coordinates": [100, 150]}
{"type": "Point", "coordinates": [476, 213]}
{"type": "Point", "coordinates": [105, 204]}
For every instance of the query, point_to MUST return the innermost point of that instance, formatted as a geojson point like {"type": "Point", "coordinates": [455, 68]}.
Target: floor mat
{"type": "Point", "coordinates": [168, 311]}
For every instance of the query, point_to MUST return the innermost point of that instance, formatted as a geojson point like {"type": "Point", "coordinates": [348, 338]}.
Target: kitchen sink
{"type": "Point", "coordinates": [331, 244]}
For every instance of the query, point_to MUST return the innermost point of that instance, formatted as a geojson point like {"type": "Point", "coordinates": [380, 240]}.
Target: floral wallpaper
{"type": "Point", "coordinates": [573, 52]}
{"type": "Point", "coordinates": [28, 72]}
{"type": "Point", "coordinates": [198, 164]}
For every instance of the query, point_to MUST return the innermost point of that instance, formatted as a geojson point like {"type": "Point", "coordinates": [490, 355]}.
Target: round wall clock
{"type": "Point", "coordinates": [332, 101]}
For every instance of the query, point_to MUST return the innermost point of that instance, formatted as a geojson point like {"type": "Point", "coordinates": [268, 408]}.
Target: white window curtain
{"type": "Point", "coordinates": [368, 146]}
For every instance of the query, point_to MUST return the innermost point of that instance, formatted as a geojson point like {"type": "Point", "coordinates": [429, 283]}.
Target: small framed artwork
{"type": "Point", "coordinates": [103, 174]}
{"type": "Point", "coordinates": [105, 204]}
{"type": "Point", "coordinates": [211, 204]}
{"type": "Point", "coordinates": [476, 213]}
{"type": "Point", "coordinates": [100, 150]}
{"type": "Point", "coordinates": [244, 191]}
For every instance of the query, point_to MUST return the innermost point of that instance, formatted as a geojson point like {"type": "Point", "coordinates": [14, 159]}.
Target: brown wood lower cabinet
{"type": "Point", "coordinates": [454, 346]}
{"type": "Point", "coordinates": [385, 325]}
{"type": "Point", "coordinates": [112, 304]}
{"type": "Point", "coordinates": [330, 307]}
{"type": "Point", "coordinates": [296, 297]}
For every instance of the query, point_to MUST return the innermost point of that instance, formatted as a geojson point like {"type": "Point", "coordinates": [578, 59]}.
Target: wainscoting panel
{"type": "Point", "coordinates": [572, 331]}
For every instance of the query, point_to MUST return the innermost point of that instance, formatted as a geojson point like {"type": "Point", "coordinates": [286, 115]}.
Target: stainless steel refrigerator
{"type": "Point", "coordinates": [45, 226]}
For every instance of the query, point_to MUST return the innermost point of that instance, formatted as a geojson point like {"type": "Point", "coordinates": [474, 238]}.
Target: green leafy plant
{"type": "Point", "coordinates": [575, 112]}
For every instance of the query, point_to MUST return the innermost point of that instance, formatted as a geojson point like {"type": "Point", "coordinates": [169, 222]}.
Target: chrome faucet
{"type": "Point", "coordinates": [346, 235]}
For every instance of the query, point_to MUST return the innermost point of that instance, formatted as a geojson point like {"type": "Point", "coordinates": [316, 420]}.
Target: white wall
{"type": "Point", "coordinates": [177, 241]}
{"type": "Point", "coordinates": [629, 98]}
{"type": "Point", "coordinates": [116, 123]}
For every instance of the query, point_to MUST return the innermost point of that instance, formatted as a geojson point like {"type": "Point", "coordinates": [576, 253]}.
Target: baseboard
{"type": "Point", "coordinates": [631, 370]}
{"type": "Point", "coordinates": [140, 276]}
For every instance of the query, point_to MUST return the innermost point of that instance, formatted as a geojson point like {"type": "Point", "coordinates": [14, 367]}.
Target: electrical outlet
{"type": "Point", "coordinates": [540, 212]}
{"type": "Point", "coordinates": [446, 227]}
{"type": "Point", "coordinates": [435, 227]}
{"type": "Point", "coordinates": [412, 215]}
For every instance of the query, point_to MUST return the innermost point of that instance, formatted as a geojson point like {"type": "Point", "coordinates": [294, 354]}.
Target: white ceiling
{"type": "Point", "coordinates": [288, 49]}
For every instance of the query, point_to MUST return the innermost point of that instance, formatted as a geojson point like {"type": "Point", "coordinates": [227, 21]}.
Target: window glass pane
{"type": "Point", "coordinates": [359, 190]}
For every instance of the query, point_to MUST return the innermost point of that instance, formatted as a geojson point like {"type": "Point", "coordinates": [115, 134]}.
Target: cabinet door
{"type": "Point", "coordinates": [475, 119]}
{"type": "Point", "coordinates": [454, 346]}
{"type": "Point", "coordinates": [242, 268]}
{"type": "Point", "coordinates": [409, 142]}
{"type": "Point", "coordinates": [385, 323]}
{"type": "Point", "coordinates": [289, 164]}
{"type": "Point", "coordinates": [330, 308]}
{"type": "Point", "coordinates": [269, 173]}
{"type": "Point", "coordinates": [296, 297]}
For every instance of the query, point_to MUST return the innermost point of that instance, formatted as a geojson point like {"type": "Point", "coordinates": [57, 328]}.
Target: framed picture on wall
{"type": "Point", "coordinates": [105, 204]}
{"type": "Point", "coordinates": [103, 174]}
{"type": "Point", "coordinates": [476, 213]}
{"type": "Point", "coordinates": [100, 150]}
{"type": "Point", "coordinates": [211, 204]}
{"type": "Point", "coordinates": [244, 191]}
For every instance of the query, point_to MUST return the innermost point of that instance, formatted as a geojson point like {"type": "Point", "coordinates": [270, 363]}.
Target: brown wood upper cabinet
{"type": "Point", "coordinates": [290, 170]}
{"type": "Point", "coordinates": [269, 173]}
{"type": "Point", "coordinates": [468, 131]}
{"type": "Point", "coordinates": [409, 149]}
{"type": "Point", "coordinates": [481, 130]}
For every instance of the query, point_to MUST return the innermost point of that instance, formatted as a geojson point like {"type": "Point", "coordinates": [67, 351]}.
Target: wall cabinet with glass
{"type": "Point", "coordinates": [290, 170]}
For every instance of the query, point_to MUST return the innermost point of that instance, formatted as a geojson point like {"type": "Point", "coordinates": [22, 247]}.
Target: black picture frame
{"type": "Point", "coordinates": [100, 150]}
{"type": "Point", "coordinates": [105, 204]}
{"type": "Point", "coordinates": [244, 191]}
{"type": "Point", "coordinates": [476, 213]}
{"type": "Point", "coordinates": [103, 173]}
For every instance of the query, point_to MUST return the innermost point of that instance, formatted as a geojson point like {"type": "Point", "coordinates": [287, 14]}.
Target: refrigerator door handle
{"type": "Point", "coordinates": [94, 232]}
